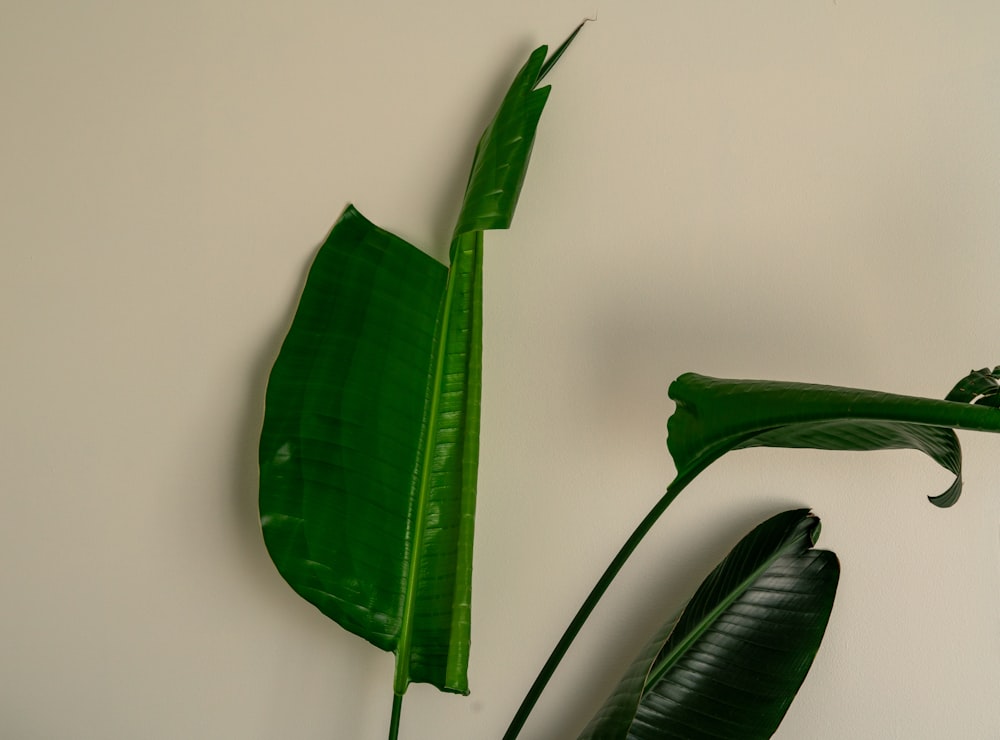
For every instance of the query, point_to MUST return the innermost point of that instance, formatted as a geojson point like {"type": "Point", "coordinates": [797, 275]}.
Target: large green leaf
{"type": "Point", "coordinates": [369, 448]}
{"type": "Point", "coordinates": [729, 665]}
{"type": "Point", "coordinates": [714, 416]}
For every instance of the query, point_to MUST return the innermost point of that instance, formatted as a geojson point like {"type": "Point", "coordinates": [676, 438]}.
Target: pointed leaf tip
{"type": "Point", "coordinates": [551, 61]}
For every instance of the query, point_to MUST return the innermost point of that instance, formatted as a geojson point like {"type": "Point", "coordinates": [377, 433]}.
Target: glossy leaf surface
{"type": "Point", "coordinates": [729, 665]}
{"type": "Point", "coordinates": [714, 416]}
{"type": "Point", "coordinates": [369, 448]}
{"type": "Point", "coordinates": [981, 387]}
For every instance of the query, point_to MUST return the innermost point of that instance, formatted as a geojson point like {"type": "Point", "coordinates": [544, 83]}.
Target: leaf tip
{"type": "Point", "coordinates": [950, 497]}
{"type": "Point", "coordinates": [817, 528]}
{"type": "Point", "coordinates": [551, 61]}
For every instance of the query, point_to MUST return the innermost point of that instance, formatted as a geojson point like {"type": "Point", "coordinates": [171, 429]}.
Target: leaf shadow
{"type": "Point", "coordinates": [245, 476]}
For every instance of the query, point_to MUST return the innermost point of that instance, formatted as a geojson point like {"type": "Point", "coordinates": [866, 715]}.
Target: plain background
{"type": "Point", "coordinates": [792, 190]}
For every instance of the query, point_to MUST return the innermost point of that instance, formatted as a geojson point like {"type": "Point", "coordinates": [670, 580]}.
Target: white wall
{"type": "Point", "coordinates": [796, 190]}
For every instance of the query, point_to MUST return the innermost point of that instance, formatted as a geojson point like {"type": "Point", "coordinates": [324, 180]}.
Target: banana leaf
{"type": "Point", "coordinates": [729, 665]}
{"type": "Point", "coordinates": [370, 442]}
{"type": "Point", "coordinates": [714, 416]}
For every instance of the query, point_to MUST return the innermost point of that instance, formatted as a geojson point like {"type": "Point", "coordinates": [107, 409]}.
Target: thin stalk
{"type": "Point", "coordinates": [531, 698]}
{"type": "Point", "coordinates": [397, 708]}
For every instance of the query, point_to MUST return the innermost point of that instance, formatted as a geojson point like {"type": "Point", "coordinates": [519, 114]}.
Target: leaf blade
{"type": "Point", "coordinates": [714, 416]}
{"type": "Point", "coordinates": [730, 663]}
{"type": "Point", "coordinates": [318, 442]}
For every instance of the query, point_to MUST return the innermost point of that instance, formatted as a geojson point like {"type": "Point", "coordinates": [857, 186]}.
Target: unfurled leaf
{"type": "Point", "coordinates": [370, 443]}
{"type": "Point", "coordinates": [728, 666]}
{"type": "Point", "coordinates": [714, 416]}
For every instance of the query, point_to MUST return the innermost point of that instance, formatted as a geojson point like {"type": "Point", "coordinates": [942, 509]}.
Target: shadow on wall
{"type": "Point", "coordinates": [245, 474]}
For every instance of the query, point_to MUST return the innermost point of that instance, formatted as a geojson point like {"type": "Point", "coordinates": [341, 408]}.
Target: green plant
{"type": "Point", "coordinates": [730, 662]}
{"type": "Point", "coordinates": [714, 416]}
{"type": "Point", "coordinates": [369, 453]}
{"type": "Point", "coordinates": [370, 443]}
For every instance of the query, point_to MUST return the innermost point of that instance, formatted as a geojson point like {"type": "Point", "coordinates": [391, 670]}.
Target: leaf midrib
{"type": "Point", "coordinates": [402, 674]}
{"type": "Point", "coordinates": [707, 621]}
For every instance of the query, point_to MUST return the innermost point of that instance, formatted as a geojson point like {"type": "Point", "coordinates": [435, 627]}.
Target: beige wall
{"type": "Point", "coordinates": [798, 190]}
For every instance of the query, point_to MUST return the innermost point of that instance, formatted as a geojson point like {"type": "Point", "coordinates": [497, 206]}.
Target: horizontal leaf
{"type": "Point", "coordinates": [729, 665]}
{"type": "Point", "coordinates": [714, 416]}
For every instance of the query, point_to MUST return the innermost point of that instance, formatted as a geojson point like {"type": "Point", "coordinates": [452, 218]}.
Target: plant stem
{"type": "Point", "coordinates": [676, 486]}
{"type": "Point", "coordinates": [397, 708]}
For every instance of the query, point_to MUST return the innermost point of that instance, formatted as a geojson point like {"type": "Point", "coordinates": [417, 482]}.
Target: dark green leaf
{"type": "Point", "coordinates": [729, 665]}
{"type": "Point", "coordinates": [557, 54]}
{"type": "Point", "coordinates": [714, 416]}
{"type": "Point", "coordinates": [370, 444]}
{"type": "Point", "coordinates": [979, 386]}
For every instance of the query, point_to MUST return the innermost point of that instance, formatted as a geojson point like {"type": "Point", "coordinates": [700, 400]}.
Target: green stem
{"type": "Point", "coordinates": [531, 698]}
{"type": "Point", "coordinates": [397, 708]}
